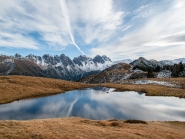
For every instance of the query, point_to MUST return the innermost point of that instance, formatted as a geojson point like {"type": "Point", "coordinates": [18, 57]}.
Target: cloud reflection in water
{"type": "Point", "coordinates": [96, 103]}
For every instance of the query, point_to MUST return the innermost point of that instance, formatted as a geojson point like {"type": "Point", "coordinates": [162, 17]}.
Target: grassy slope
{"type": "Point", "coordinates": [78, 128]}
{"type": "Point", "coordinates": [22, 87]}
{"type": "Point", "coordinates": [150, 90]}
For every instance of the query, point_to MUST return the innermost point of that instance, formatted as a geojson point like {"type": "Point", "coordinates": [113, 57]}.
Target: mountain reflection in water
{"type": "Point", "coordinates": [97, 103]}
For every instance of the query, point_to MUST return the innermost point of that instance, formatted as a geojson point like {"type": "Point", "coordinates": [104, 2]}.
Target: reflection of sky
{"type": "Point", "coordinates": [97, 103]}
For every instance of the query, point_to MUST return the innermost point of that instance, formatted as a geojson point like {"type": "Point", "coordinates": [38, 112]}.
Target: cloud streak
{"type": "Point", "coordinates": [67, 20]}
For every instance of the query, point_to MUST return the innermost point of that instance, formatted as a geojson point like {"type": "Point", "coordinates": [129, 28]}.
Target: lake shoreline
{"type": "Point", "coordinates": [13, 88]}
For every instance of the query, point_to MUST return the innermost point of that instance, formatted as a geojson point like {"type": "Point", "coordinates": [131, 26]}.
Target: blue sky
{"type": "Point", "coordinates": [120, 29]}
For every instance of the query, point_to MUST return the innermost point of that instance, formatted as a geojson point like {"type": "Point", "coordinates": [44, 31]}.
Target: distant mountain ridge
{"type": "Point", "coordinates": [61, 67]}
{"type": "Point", "coordinates": [154, 63]}
{"type": "Point", "coordinates": [175, 61]}
{"type": "Point", "coordinates": [137, 69]}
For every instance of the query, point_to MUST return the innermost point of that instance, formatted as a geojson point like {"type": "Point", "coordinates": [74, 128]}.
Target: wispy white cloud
{"type": "Point", "coordinates": [17, 40]}
{"type": "Point", "coordinates": [97, 20]}
{"type": "Point", "coordinates": [160, 36]}
{"type": "Point", "coordinates": [150, 29]}
{"type": "Point", "coordinates": [19, 18]}
{"type": "Point", "coordinates": [56, 22]}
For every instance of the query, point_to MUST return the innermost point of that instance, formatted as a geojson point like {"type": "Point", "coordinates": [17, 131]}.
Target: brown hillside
{"type": "Point", "coordinates": [113, 74]}
{"type": "Point", "coordinates": [27, 67]}
{"type": "Point", "coordinates": [21, 87]}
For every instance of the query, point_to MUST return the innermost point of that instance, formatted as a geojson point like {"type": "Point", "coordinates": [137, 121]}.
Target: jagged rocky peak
{"type": "Point", "coordinates": [46, 57]}
{"type": "Point", "coordinates": [66, 60]}
{"type": "Point", "coordinates": [18, 56]}
{"type": "Point", "coordinates": [80, 59]}
{"type": "Point", "coordinates": [33, 57]}
{"type": "Point", "coordinates": [57, 58]}
{"type": "Point", "coordinates": [99, 59]}
{"type": "Point", "coordinates": [106, 58]}
{"type": "Point", "coordinates": [49, 59]}
{"type": "Point", "coordinates": [84, 58]}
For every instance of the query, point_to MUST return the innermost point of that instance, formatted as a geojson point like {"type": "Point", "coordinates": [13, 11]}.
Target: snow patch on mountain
{"type": "Point", "coordinates": [142, 62]}
{"type": "Point", "coordinates": [126, 76]}
{"type": "Point", "coordinates": [7, 61]}
{"type": "Point", "coordinates": [10, 64]}
{"type": "Point", "coordinates": [136, 70]}
{"type": "Point", "coordinates": [176, 61]}
{"type": "Point", "coordinates": [155, 82]}
{"type": "Point", "coordinates": [65, 67]}
{"type": "Point", "coordinates": [171, 62]}
{"type": "Point", "coordinates": [164, 74]}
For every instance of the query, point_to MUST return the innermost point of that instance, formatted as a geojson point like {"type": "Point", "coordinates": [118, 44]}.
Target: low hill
{"type": "Point", "coordinates": [21, 87]}
{"type": "Point", "coordinates": [115, 73]}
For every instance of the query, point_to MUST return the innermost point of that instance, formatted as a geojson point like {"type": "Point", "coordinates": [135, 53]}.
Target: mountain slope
{"type": "Point", "coordinates": [140, 68]}
{"type": "Point", "coordinates": [175, 61]}
{"type": "Point", "coordinates": [142, 62]}
{"type": "Point", "coordinates": [115, 73]}
{"type": "Point", "coordinates": [174, 68]}
{"type": "Point", "coordinates": [60, 67]}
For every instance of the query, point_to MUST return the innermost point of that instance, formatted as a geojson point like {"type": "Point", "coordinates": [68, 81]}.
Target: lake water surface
{"type": "Point", "coordinates": [97, 103]}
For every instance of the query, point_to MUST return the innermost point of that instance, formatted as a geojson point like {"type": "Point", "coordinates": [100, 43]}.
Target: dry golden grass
{"type": "Point", "coordinates": [150, 90]}
{"type": "Point", "coordinates": [179, 81]}
{"type": "Point", "coordinates": [79, 128]}
{"type": "Point", "coordinates": [22, 87]}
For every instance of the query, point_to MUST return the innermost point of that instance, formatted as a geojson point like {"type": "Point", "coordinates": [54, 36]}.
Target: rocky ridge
{"type": "Point", "coordinates": [60, 67]}
{"type": "Point", "coordinates": [138, 69]}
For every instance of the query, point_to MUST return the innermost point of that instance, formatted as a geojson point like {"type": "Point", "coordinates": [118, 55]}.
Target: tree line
{"type": "Point", "coordinates": [176, 69]}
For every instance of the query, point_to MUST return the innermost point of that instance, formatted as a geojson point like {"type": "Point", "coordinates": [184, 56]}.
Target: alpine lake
{"type": "Point", "coordinates": [97, 103]}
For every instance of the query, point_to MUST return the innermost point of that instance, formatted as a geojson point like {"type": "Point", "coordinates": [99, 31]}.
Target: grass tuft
{"type": "Point", "coordinates": [135, 122]}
